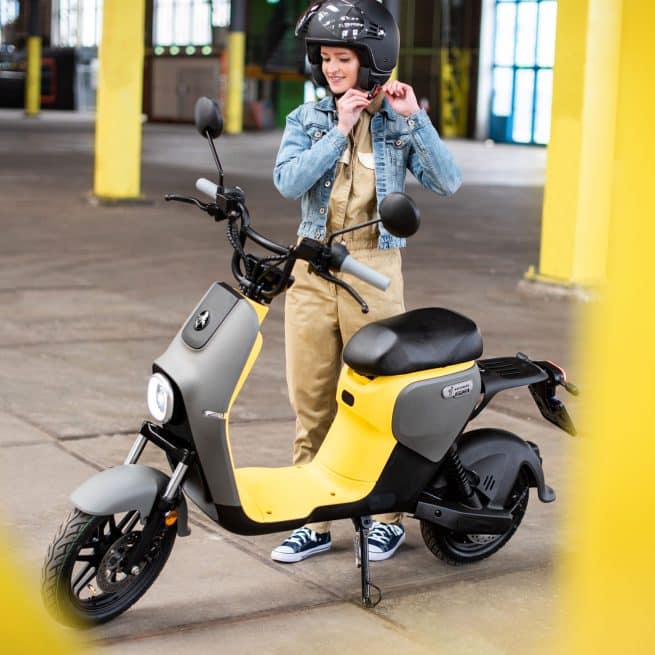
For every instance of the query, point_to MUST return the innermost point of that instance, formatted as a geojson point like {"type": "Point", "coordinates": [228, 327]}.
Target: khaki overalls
{"type": "Point", "coordinates": [320, 317]}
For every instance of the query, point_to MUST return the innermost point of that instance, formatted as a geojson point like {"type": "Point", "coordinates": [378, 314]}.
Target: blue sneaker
{"type": "Point", "coordinates": [384, 539]}
{"type": "Point", "coordinates": [302, 543]}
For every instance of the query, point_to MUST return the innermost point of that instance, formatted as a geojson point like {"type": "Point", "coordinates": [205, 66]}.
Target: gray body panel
{"type": "Point", "coordinates": [123, 489]}
{"type": "Point", "coordinates": [207, 376]}
{"type": "Point", "coordinates": [427, 422]}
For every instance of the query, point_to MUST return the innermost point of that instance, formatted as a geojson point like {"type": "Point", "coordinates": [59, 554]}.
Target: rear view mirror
{"type": "Point", "coordinates": [208, 118]}
{"type": "Point", "coordinates": [400, 215]}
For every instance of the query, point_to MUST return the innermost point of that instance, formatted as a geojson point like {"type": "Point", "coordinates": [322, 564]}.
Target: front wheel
{"type": "Point", "coordinates": [462, 548]}
{"type": "Point", "coordinates": [84, 580]}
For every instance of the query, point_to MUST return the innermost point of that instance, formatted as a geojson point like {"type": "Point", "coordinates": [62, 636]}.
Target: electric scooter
{"type": "Point", "coordinates": [409, 386]}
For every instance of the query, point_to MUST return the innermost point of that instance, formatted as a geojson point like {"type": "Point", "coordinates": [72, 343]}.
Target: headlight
{"type": "Point", "coordinates": [160, 398]}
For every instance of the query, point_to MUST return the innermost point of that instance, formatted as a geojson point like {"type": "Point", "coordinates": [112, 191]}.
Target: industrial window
{"type": "Point", "coordinates": [76, 23]}
{"type": "Point", "coordinates": [188, 22]}
{"type": "Point", "coordinates": [9, 11]}
{"type": "Point", "coordinates": [524, 51]}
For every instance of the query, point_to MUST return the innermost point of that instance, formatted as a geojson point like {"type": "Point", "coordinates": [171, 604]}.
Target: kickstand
{"type": "Point", "coordinates": [362, 527]}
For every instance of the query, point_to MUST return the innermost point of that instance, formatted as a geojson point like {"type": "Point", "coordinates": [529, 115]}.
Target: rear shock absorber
{"type": "Point", "coordinates": [460, 478]}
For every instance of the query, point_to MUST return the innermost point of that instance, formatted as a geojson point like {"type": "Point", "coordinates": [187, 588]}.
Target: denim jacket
{"type": "Point", "coordinates": [312, 145]}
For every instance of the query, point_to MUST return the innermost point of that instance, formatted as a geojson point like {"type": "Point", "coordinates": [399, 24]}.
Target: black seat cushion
{"type": "Point", "coordinates": [414, 341]}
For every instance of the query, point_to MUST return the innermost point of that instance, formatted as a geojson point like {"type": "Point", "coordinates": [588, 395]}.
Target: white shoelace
{"type": "Point", "coordinates": [384, 533]}
{"type": "Point", "coordinates": [301, 536]}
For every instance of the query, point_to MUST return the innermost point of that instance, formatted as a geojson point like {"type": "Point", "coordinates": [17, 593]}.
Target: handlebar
{"type": "Point", "coordinates": [365, 273]}
{"type": "Point", "coordinates": [207, 187]}
{"type": "Point", "coordinates": [215, 193]}
{"type": "Point", "coordinates": [262, 276]}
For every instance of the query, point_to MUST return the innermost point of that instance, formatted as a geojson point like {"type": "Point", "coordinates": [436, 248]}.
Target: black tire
{"type": "Point", "coordinates": [85, 555]}
{"type": "Point", "coordinates": [458, 548]}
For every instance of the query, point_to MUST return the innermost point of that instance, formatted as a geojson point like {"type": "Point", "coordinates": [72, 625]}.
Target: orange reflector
{"type": "Point", "coordinates": [170, 518]}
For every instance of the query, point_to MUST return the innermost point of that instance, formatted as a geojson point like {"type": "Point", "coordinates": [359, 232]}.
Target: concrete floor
{"type": "Point", "coordinates": [90, 295]}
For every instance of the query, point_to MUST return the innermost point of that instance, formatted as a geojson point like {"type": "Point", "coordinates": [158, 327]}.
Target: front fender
{"type": "Point", "coordinates": [497, 457]}
{"type": "Point", "coordinates": [123, 489]}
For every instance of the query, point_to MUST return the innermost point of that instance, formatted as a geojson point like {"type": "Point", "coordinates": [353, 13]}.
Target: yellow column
{"type": "Point", "coordinates": [119, 102]}
{"type": "Point", "coordinates": [609, 577]}
{"type": "Point", "coordinates": [455, 77]}
{"type": "Point", "coordinates": [579, 169]}
{"type": "Point", "coordinates": [25, 626]}
{"type": "Point", "coordinates": [235, 76]}
{"type": "Point", "coordinates": [33, 79]}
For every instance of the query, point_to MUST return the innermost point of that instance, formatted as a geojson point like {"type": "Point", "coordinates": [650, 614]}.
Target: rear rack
{"type": "Point", "coordinates": [501, 373]}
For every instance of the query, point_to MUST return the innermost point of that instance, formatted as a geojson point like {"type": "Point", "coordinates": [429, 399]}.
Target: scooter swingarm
{"type": "Point", "coordinates": [126, 488]}
{"type": "Point", "coordinates": [454, 517]}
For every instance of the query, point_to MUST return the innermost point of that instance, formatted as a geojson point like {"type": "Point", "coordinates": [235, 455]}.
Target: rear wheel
{"type": "Point", "coordinates": [463, 548]}
{"type": "Point", "coordinates": [84, 574]}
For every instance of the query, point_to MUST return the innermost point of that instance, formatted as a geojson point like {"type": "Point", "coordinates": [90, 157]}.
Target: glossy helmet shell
{"type": "Point", "coordinates": [365, 26]}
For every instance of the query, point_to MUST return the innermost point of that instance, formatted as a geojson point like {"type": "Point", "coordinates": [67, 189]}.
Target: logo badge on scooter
{"type": "Point", "coordinates": [202, 320]}
{"type": "Point", "coordinates": [457, 390]}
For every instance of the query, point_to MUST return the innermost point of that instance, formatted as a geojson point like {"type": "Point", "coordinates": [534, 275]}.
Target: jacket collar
{"type": "Point", "coordinates": [327, 105]}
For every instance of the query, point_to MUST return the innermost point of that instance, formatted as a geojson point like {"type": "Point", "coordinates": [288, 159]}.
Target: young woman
{"type": "Point", "coordinates": [342, 156]}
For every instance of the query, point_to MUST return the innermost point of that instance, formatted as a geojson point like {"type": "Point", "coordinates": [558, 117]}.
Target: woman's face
{"type": "Point", "coordinates": [340, 67]}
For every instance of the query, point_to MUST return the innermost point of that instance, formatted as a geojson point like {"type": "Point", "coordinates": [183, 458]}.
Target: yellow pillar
{"type": "Point", "coordinates": [235, 77]}
{"type": "Point", "coordinates": [579, 168]}
{"type": "Point", "coordinates": [455, 78]}
{"type": "Point", "coordinates": [25, 626]}
{"type": "Point", "coordinates": [609, 577]}
{"type": "Point", "coordinates": [33, 79]}
{"type": "Point", "coordinates": [119, 102]}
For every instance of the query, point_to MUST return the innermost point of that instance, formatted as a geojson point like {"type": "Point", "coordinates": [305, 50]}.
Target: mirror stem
{"type": "Point", "coordinates": [217, 161]}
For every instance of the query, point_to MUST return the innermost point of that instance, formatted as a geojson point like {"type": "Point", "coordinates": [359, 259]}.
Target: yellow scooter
{"type": "Point", "coordinates": [409, 386]}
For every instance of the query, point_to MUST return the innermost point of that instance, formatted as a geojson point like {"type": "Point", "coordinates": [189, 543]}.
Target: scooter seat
{"type": "Point", "coordinates": [413, 341]}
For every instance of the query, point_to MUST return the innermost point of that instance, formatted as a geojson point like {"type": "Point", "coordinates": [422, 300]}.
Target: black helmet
{"type": "Point", "coordinates": [365, 26]}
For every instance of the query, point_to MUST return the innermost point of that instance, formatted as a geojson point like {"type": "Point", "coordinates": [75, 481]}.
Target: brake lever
{"type": "Point", "coordinates": [209, 207]}
{"type": "Point", "coordinates": [343, 285]}
{"type": "Point", "coordinates": [189, 200]}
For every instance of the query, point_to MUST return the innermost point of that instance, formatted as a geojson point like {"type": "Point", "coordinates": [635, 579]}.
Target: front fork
{"type": "Point", "coordinates": [164, 511]}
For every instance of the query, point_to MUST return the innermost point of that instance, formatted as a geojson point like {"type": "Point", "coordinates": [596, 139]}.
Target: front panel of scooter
{"type": "Point", "coordinates": [208, 373]}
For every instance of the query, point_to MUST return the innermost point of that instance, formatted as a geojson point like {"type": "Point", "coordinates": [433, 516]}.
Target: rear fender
{"type": "Point", "coordinates": [124, 489]}
{"type": "Point", "coordinates": [497, 457]}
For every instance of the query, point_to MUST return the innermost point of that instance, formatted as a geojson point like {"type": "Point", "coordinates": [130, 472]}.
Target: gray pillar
{"type": "Point", "coordinates": [238, 11]}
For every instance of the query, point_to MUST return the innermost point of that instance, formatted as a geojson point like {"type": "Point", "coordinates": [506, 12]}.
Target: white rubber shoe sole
{"type": "Point", "coordinates": [290, 558]}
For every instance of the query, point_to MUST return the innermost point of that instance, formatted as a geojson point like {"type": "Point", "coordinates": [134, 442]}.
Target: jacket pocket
{"type": "Point", "coordinates": [397, 147]}
{"type": "Point", "coordinates": [315, 131]}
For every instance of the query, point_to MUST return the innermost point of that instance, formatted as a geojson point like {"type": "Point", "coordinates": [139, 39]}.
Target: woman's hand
{"type": "Point", "coordinates": [349, 108]}
{"type": "Point", "coordinates": [401, 97]}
